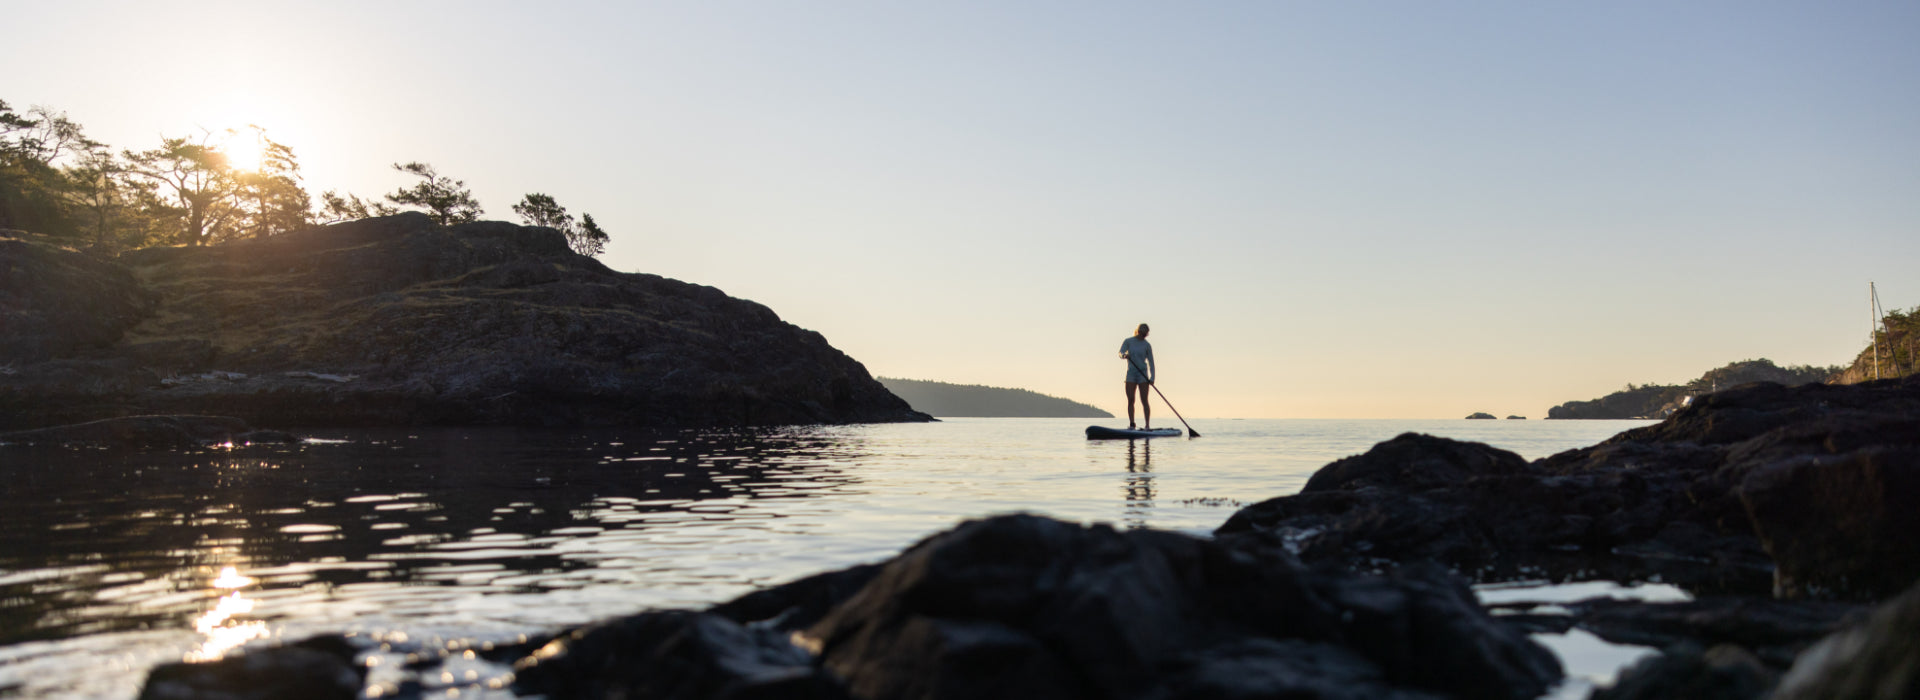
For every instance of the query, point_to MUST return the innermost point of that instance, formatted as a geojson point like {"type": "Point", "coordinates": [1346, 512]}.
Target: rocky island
{"type": "Point", "coordinates": [1655, 401]}
{"type": "Point", "coordinates": [974, 401]}
{"type": "Point", "coordinates": [400, 321]}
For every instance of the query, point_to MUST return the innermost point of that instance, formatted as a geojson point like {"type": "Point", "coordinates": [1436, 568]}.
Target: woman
{"type": "Point", "coordinates": [1140, 368]}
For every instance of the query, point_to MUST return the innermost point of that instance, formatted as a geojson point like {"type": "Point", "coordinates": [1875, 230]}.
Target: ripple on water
{"type": "Point", "coordinates": [428, 540]}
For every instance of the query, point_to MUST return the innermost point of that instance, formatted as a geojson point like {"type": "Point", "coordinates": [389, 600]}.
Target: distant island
{"type": "Point", "coordinates": [1654, 401]}
{"type": "Point", "coordinates": [974, 401]}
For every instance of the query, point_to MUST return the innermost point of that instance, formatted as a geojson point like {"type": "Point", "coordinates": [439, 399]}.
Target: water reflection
{"type": "Point", "coordinates": [1139, 485]}
{"type": "Point", "coordinates": [98, 541]}
{"type": "Point", "coordinates": [434, 541]}
{"type": "Point", "coordinates": [220, 626]}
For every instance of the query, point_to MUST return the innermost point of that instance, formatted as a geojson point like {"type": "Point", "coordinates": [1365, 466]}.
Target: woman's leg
{"type": "Point", "coordinates": [1131, 387]}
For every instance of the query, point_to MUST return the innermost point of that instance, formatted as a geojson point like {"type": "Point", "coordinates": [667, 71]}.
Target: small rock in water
{"type": "Point", "coordinates": [321, 668]}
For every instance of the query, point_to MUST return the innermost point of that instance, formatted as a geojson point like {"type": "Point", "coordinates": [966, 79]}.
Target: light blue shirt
{"type": "Point", "coordinates": [1139, 354]}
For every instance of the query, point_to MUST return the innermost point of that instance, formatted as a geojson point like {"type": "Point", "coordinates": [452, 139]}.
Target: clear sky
{"type": "Point", "coordinates": [1325, 209]}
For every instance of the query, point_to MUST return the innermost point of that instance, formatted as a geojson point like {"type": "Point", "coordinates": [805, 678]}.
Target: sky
{"type": "Point", "coordinates": [1394, 209]}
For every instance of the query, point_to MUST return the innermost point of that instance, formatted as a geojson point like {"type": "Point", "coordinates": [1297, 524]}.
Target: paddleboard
{"type": "Point", "coordinates": [1095, 432]}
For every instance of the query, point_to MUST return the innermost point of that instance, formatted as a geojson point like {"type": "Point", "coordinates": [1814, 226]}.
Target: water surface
{"type": "Point", "coordinates": [111, 562]}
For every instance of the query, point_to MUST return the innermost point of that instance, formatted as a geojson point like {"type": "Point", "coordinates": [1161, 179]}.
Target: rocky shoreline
{"type": "Point", "coordinates": [399, 321]}
{"type": "Point", "coordinates": [1784, 512]}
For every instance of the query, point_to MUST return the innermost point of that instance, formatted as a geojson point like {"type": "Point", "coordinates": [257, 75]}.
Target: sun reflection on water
{"type": "Point", "coordinates": [224, 633]}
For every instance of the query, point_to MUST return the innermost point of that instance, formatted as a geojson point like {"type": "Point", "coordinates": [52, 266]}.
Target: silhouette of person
{"type": "Point", "coordinates": [1140, 369]}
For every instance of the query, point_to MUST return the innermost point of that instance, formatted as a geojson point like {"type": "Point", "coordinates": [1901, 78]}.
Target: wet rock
{"type": "Point", "coordinates": [675, 654]}
{"type": "Point", "coordinates": [1875, 660]}
{"type": "Point", "coordinates": [1416, 462]}
{"type": "Point", "coordinates": [1487, 511]}
{"type": "Point", "coordinates": [1776, 631]}
{"type": "Point", "coordinates": [321, 668]}
{"type": "Point", "coordinates": [1806, 478]}
{"type": "Point", "coordinates": [1687, 672]}
{"type": "Point", "coordinates": [159, 432]}
{"type": "Point", "coordinates": [799, 604]}
{"type": "Point", "coordinates": [475, 324]}
{"type": "Point", "coordinates": [1024, 606]}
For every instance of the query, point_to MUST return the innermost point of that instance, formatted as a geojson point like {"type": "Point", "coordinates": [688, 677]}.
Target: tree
{"type": "Point", "coordinates": [540, 210]}
{"type": "Point", "coordinates": [269, 197]}
{"type": "Point", "coordinates": [33, 188]}
{"type": "Point", "coordinates": [445, 199]}
{"type": "Point", "coordinates": [204, 199]}
{"type": "Point", "coordinates": [585, 238]}
{"type": "Point", "coordinates": [195, 188]}
{"type": "Point", "coordinates": [592, 241]}
{"type": "Point", "coordinates": [336, 207]}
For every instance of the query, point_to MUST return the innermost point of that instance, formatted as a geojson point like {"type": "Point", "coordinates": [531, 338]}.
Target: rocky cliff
{"type": "Point", "coordinates": [1893, 352]}
{"type": "Point", "coordinates": [395, 321]}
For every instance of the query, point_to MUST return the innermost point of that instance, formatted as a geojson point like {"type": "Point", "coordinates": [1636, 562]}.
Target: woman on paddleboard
{"type": "Point", "coordinates": [1139, 356]}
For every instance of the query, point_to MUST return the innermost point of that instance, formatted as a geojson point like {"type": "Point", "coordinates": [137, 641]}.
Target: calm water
{"type": "Point", "coordinates": [421, 539]}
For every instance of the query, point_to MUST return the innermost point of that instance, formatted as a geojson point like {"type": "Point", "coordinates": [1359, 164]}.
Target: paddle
{"type": "Point", "coordinates": [1163, 399]}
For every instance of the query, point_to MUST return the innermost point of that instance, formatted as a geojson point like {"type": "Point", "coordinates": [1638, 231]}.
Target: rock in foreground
{"type": "Point", "coordinates": [1029, 607]}
{"type": "Point", "coordinates": [397, 321]}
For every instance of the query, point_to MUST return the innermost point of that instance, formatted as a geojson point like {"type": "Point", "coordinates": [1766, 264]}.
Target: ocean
{"type": "Point", "coordinates": [111, 562]}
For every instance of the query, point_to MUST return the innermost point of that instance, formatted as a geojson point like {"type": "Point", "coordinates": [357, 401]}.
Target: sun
{"type": "Point", "coordinates": [243, 149]}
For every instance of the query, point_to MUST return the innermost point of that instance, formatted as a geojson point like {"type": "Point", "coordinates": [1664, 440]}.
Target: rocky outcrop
{"type": "Point", "coordinates": [396, 321]}
{"type": "Point", "coordinates": [1765, 487]}
{"type": "Point", "coordinates": [1029, 607]}
{"type": "Point", "coordinates": [1785, 508]}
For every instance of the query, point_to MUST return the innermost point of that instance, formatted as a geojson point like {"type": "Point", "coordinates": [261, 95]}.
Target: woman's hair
{"type": "Point", "coordinates": [1142, 329]}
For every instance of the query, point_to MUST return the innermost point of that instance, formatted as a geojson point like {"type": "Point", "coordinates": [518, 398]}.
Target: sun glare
{"type": "Point", "coordinates": [242, 151]}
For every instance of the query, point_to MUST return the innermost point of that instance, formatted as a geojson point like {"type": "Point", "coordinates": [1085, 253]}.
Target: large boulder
{"type": "Point", "coordinates": [673, 655]}
{"type": "Point", "coordinates": [397, 320]}
{"type": "Point", "coordinates": [1763, 488]}
{"type": "Point", "coordinates": [1024, 606]}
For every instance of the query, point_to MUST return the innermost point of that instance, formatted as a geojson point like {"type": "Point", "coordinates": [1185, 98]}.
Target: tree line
{"type": "Point", "coordinates": [205, 188]}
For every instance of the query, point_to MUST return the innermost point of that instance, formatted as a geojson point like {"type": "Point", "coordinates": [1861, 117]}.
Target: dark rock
{"type": "Point", "coordinates": [1024, 606]}
{"type": "Point", "coordinates": [58, 303]}
{"type": "Point", "coordinates": [1481, 416]}
{"type": "Point", "coordinates": [1724, 672]}
{"type": "Point", "coordinates": [1416, 462]}
{"type": "Point", "coordinates": [1258, 669]}
{"type": "Point", "coordinates": [1815, 473]}
{"type": "Point", "coordinates": [167, 432]}
{"type": "Point", "coordinates": [321, 668]}
{"type": "Point", "coordinates": [799, 604]}
{"type": "Point", "coordinates": [1876, 660]}
{"type": "Point", "coordinates": [1840, 526]}
{"type": "Point", "coordinates": [673, 654]}
{"type": "Point", "coordinates": [1748, 411]}
{"type": "Point", "coordinates": [483, 323]}
{"type": "Point", "coordinates": [1774, 630]}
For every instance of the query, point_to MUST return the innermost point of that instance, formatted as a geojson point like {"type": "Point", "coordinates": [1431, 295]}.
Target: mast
{"type": "Point", "coordinates": [1873, 307]}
